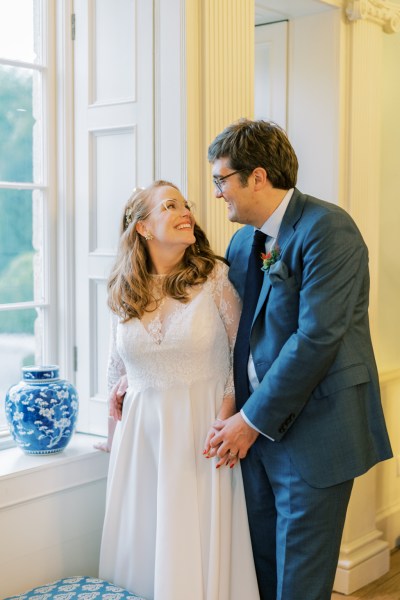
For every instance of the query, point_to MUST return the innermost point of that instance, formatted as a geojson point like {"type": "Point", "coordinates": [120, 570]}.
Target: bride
{"type": "Point", "coordinates": [175, 525]}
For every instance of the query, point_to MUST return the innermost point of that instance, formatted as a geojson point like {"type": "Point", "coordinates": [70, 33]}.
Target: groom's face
{"type": "Point", "coordinates": [238, 197]}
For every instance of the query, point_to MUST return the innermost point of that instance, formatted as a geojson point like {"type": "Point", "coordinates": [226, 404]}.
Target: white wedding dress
{"type": "Point", "coordinates": [175, 526]}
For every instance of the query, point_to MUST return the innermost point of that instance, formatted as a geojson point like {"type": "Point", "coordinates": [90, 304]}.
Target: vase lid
{"type": "Point", "coordinates": [40, 372]}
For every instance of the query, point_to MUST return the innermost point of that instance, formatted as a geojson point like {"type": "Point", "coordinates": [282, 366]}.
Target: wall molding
{"type": "Point", "coordinates": [388, 521]}
{"type": "Point", "coordinates": [361, 561]}
{"type": "Point", "coordinates": [383, 13]}
{"type": "Point", "coordinates": [389, 376]}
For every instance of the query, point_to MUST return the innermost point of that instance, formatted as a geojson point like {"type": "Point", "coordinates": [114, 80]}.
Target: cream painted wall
{"type": "Point", "coordinates": [387, 343]}
{"type": "Point", "coordinates": [388, 339]}
{"type": "Point", "coordinates": [314, 102]}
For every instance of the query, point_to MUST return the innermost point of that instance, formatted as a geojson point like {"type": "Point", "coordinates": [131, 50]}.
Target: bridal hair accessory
{"type": "Point", "coordinates": [128, 216]}
{"type": "Point", "coordinates": [129, 210]}
{"type": "Point", "coordinates": [270, 258]}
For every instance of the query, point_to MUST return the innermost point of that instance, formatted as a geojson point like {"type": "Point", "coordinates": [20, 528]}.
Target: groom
{"type": "Point", "coordinates": [310, 417]}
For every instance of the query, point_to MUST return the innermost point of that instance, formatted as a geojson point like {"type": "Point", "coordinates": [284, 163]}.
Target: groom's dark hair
{"type": "Point", "coordinates": [251, 144]}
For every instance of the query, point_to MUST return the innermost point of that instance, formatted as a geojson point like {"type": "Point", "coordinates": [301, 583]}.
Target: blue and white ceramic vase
{"type": "Point", "coordinates": [42, 410]}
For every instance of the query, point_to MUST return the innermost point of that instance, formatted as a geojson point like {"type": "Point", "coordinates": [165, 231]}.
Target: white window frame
{"type": "Point", "coordinates": [56, 147]}
{"type": "Point", "coordinates": [64, 119]}
{"type": "Point", "coordinates": [59, 153]}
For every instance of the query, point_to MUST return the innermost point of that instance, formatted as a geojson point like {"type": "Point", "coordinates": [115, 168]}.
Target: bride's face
{"type": "Point", "coordinates": [170, 220]}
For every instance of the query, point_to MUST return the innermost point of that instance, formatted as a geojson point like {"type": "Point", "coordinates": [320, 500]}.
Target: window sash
{"type": "Point", "coordinates": [46, 184]}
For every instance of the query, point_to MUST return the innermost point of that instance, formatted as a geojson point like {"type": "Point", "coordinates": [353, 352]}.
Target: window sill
{"type": "Point", "coordinates": [24, 477]}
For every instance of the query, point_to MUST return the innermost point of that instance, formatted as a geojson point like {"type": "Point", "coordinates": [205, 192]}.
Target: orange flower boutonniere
{"type": "Point", "coordinates": [270, 258]}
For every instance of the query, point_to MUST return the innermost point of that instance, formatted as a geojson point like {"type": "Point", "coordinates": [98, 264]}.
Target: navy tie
{"type": "Point", "coordinates": [254, 280]}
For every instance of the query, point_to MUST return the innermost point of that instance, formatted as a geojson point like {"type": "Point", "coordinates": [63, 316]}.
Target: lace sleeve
{"type": "Point", "coordinates": [229, 307]}
{"type": "Point", "coordinates": [116, 366]}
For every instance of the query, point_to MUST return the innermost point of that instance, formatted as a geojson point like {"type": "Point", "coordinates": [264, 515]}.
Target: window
{"type": "Point", "coordinates": [27, 239]}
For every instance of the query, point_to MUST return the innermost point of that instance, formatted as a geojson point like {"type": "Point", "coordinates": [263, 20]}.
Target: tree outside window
{"type": "Point", "coordinates": [23, 190]}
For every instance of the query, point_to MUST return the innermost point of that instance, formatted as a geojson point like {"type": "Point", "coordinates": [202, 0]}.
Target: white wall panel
{"type": "Point", "coordinates": [113, 45]}
{"type": "Point", "coordinates": [114, 177]}
{"type": "Point", "coordinates": [51, 514]}
{"type": "Point", "coordinates": [114, 152]}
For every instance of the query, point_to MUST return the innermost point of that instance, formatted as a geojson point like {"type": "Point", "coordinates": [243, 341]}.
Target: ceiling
{"type": "Point", "coordinates": [269, 11]}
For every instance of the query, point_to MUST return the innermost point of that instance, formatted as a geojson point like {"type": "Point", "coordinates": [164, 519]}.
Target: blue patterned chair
{"type": "Point", "coordinates": [76, 588]}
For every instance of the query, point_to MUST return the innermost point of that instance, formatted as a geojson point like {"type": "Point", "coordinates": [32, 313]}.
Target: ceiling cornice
{"type": "Point", "coordinates": [382, 12]}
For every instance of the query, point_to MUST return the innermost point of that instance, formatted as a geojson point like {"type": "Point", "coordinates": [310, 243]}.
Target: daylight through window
{"type": "Point", "coordinates": [24, 192]}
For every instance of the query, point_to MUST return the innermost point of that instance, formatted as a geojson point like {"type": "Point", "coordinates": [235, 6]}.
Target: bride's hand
{"type": "Point", "coordinates": [231, 458]}
{"type": "Point", "coordinates": [214, 428]}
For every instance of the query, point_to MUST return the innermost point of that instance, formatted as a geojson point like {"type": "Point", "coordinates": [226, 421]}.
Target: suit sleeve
{"type": "Point", "coordinates": [332, 303]}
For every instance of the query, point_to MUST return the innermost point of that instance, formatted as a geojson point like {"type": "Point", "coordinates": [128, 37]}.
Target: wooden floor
{"type": "Point", "coordinates": [385, 588]}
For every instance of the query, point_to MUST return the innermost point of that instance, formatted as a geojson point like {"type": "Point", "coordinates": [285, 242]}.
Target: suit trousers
{"type": "Point", "coordinates": [295, 529]}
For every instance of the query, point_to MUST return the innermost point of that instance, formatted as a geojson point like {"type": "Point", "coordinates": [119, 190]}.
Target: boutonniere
{"type": "Point", "coordinates": [270, 258]}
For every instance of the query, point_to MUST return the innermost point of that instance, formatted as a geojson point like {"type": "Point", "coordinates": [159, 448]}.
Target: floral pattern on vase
{"type": "Point", "coordinates": [42, 410]}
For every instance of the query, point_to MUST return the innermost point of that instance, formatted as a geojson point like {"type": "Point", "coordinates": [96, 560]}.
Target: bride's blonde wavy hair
{"type": "Point", "coordinates": [128, 290]}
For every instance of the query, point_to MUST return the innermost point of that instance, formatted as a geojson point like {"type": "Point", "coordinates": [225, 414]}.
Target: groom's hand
{"type": "Point", "coordinates": [234, 436]}
{"type": "Point", "coordinates": [117, 397]}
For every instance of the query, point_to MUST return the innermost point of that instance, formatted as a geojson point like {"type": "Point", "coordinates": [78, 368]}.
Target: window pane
{"type": "Point", "coordinates": [18, 348]}
{"type": "Point", "coordinates": [20, 110]}
{"type": "Point", "coordinates": [20, 252]}
{"type": "Point", "coordinates": [24, 130]}
{"type": "Point", "coordinates": [19, 30]}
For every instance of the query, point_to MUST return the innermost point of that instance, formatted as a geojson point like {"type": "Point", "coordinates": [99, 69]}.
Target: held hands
{"type": "Point", "coordinates": [230, 458]}
{"type": "Point", "coordinates": [229, 440]}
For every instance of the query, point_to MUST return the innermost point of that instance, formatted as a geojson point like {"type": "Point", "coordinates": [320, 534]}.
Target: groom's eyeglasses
{"type": "Point", "coordinates": [219, 182]}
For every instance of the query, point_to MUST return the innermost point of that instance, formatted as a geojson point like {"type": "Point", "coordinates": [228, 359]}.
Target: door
{"type": "Point", "coordinates": [270, 73]}
{"type": "Point", "coordinates": [113, 78]}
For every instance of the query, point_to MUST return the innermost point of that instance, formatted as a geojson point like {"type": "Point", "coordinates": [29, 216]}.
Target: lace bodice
{"type": "Point", "coordinates": [179, 344]}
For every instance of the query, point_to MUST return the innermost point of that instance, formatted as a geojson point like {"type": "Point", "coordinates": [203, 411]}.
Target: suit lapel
{"type": "Point", "coordinates": [291, 217]}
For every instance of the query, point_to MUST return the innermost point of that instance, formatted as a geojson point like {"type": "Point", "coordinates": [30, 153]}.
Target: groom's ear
{"type": "Point", "coordinates": [260, 177]}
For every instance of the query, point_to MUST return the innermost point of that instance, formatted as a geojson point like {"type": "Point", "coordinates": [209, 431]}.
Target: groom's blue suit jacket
{"type": "Point", "coordinates": [311, 346]}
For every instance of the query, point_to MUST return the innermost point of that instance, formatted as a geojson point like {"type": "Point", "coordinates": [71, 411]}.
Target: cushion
{"type": "Point", "coordinates": [76, 588]}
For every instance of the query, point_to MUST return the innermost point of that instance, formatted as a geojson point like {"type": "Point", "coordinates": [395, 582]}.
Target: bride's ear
{"type": "Point", "coordinates": [141, 228]}
{"type": "Point", "coordinates": [143, 231]}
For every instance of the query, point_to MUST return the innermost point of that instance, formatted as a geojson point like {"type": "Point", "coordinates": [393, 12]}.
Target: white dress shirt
{"type": "Point", "coordinates": [271, 229]}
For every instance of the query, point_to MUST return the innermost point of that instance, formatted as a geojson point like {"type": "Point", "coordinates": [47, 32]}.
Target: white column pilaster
{"type": "Point", "coordinates": [361, 135]}
{"type": "Point", "coordinates": [220, 90]}
{"type": "Point", "coordinates": [364, 556]}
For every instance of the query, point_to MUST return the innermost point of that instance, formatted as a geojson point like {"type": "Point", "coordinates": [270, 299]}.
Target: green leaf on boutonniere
{"type": "Point", "coordinates": [270, 258]}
